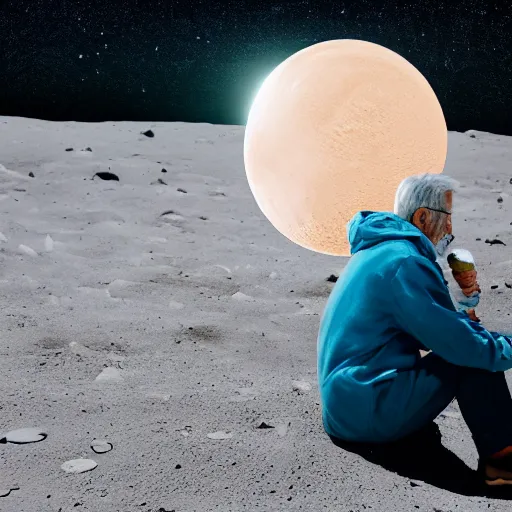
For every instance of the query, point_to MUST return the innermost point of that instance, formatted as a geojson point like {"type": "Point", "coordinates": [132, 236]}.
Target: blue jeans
{"type": "Point", "coordinates": [483, 397]}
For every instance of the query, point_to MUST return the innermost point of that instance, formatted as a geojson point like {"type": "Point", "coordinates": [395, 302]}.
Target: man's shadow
{"type": "Point", "coordinates": [421, 456]}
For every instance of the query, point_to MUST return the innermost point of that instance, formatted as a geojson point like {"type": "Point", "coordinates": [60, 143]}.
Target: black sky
{"type": "Point", "coordinates": [202, 61]}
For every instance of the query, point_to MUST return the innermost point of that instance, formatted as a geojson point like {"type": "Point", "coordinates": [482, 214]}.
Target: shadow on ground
{"type": "Point", "coordinates": [422, 457]}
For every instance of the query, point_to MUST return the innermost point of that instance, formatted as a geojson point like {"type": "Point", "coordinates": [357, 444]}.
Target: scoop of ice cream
{"type": "Point", "coordinates": [461, 260]}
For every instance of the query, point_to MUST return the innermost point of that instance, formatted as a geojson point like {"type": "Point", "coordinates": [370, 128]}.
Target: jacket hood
{"type": "Point", "coordinates": [367, 229]}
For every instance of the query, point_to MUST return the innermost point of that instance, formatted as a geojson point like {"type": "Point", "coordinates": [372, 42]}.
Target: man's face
{"type": "Point", "coordinates": [423, 220]}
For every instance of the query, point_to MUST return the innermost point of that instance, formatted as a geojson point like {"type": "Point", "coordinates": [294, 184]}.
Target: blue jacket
{"type": "Point", "coordinates": [390, 301]}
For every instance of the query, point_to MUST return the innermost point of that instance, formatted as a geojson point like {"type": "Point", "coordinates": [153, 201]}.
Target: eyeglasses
{"type": "Point", "coordinates": [432, 209]}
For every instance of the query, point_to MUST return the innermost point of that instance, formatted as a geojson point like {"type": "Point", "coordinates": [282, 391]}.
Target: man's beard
{"type": "Point", "coordinates": [443, 244]}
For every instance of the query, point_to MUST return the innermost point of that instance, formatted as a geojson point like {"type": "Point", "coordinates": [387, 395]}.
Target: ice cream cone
{"type": "Point", "coordinates": [462, 265]}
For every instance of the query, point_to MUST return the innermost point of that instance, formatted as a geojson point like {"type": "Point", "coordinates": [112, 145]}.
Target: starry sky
{"type": "Point", "coordinates": [203, 60]}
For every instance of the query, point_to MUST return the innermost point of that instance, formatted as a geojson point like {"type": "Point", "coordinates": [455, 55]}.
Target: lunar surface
{"type": "Point", "coordinates": [202, 319]}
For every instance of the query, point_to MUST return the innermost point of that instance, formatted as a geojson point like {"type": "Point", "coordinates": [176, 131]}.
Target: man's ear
{"type": "Point", "coordinates": [420, 217]}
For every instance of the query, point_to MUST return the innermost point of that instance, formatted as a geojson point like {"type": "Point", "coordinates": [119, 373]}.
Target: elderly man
{"type": "Point", "coordinates": [392, 301]}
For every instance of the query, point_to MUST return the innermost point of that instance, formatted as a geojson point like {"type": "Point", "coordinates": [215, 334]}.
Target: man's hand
{"type": "Point", "coordinates": [467, 282]}
{"type": "Point", "coordinates": [472, 315]}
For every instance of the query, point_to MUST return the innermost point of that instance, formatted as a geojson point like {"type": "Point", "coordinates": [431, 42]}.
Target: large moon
{"type": "Point", "coordinates": [333, 130]}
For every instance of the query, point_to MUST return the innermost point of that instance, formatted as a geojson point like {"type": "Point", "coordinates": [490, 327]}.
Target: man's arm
{"type": "Point", "coordinates": [421, 302]}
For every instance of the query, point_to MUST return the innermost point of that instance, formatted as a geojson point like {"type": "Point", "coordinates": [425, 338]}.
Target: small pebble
{"type": "Point", "coordinates": [107, 176]}
{"type": "Point", "coordinates": [219, 435]}
{"type": "Point", "coordinates": [24, 249]}
{"type": "Point", "coordinates": [24, 436]}
{"type": "Point", "coordinates": [79, 465]}
{"type": "Point", "coordinates": [100, 446]}
{"type": "Point", "coordinates": [109, 374]}
{"type": "Point", "coordinates": [241, 296]}
{"type": "Point", "coordinates": [48, 243]}
{"type": "Point", "coordinates": [301, 386]}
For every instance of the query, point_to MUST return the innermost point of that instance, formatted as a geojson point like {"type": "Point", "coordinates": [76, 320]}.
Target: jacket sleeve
{"type": "Point", "coordinates": [423, 308]}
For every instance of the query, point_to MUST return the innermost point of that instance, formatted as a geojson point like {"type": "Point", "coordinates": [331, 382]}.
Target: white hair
{"type": "Point", "coordinates": [423, 190]}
